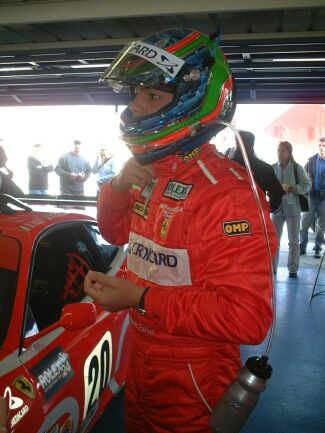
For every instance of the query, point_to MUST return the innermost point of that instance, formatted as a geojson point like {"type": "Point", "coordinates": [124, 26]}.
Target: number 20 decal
{"type": "Point", "coordinates": [97, 371]}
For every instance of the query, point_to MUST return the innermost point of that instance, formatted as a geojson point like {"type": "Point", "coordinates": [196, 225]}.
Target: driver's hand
{"type": "Point", "coordinates": [133, 173]}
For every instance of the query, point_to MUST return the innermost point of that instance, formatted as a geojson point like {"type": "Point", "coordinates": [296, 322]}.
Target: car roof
{"type": "Point", "coordinates": [36, 221]}
{"type": "Point", "coordinates": [18, 218]}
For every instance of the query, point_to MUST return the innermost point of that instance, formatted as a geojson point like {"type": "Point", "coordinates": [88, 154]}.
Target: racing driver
{"type": "Point", "coordinates": [199, 278]}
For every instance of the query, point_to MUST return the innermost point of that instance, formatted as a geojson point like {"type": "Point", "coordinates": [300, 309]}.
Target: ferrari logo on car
{"type": "Point", "coordinates": [24, 386]}
{"type": "Point", "coordinates": [57, 383]}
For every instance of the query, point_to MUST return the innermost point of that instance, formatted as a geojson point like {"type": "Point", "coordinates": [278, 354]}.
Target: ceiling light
{"type": "Point", "coordinates": [99, 65]}
{"type": "Point", "coordinates": [316, 59]}
{"type": "Point", "coordinates": [18, 68]}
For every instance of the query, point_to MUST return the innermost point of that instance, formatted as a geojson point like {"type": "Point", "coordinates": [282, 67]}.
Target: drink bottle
{"type": "Point", "coordinates": [241, 396]}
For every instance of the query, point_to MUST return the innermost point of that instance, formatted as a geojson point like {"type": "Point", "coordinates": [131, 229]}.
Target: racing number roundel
{"type": "Point", "coordinates": [97, 371]}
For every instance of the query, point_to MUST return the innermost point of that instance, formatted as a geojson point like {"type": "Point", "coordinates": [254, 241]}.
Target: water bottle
{"type": "Point", "coordinates": [241, 396]}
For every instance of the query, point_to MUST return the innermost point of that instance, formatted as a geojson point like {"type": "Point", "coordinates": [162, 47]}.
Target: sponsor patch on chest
{"type": "Point", "coordinates": [141, 209]}
{"type": "Point", "coordinates": [177, 190]}
{"type": "Point", "coordinates": [236, 228]}
{"type": "Point", "coordinates": [188, 156]}
{"type": "Point", "coordinates": [154, 262]}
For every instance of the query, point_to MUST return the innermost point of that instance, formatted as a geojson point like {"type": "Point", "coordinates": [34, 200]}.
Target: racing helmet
{"type": "Point", "coordinates": [193, 68]}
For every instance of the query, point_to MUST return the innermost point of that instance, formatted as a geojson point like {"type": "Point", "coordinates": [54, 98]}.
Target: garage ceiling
{"type": "Point", "coordinates": [53, 52]}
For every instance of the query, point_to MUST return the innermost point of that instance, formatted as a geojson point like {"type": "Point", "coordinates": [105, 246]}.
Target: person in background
{"type": "Point", "coordinates": [289, 212]}
{"type": "Point", "coordinates": [199, 278]}
{"type": "Point", "coordinates": [263, 173]}
{"type": "Point", "coordinates": [38, 170]}
{"type": "Point", "coordinates": [74, 169]}
{"type": "Point", "coordinates": [7, 185]}
{"type": "Point", "coordinates": [315, 168]}
{"type": "Point", "coordinates": [104, 166]}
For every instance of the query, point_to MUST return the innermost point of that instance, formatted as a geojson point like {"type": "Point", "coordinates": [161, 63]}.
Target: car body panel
{"type": "Point", "coordinates": [55, 379]}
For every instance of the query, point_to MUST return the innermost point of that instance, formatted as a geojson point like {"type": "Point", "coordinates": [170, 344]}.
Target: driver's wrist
{"type": "Point", "coordinates": [141, 304]}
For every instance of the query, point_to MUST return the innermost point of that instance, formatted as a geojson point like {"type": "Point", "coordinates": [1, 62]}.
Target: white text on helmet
{"type": "Point", "coordinates": [164, 60]}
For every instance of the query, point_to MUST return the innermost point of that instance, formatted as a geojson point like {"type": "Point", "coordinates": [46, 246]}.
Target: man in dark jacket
{"type": "Point", "coordinates": [38, 170]}
{"type": "Point", "coordinates": [7, 185]}
{"type": "Point", "coordinates": [263, 173]}
{"type": "Point", "coordinates": [315, 168]}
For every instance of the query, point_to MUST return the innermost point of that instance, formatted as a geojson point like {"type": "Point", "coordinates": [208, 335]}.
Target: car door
{"type": "Point", "coordinates": [17, 392]}
{"type": "Point", "coordinates": [72, 367]}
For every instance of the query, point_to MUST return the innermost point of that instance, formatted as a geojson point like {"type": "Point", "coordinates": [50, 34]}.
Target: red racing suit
{"type": "Point", "coordinates": [196, 239]}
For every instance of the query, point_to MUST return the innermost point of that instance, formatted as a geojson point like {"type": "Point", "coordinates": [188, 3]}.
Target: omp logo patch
{"type": "Point", "coordinates": [186, 157]}
{"type": "Point", "coordinates": [235, 228]}
{"type": "Point", "coordinates": [140, 209]}
{"type": "Point", "coordinates": [177, 190]}
{"type": "Point", "coordinates": [164, 60]}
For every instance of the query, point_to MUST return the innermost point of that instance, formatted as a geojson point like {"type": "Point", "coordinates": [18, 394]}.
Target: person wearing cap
{"type": "Point", "coordinates": [73, 169]}
{"type": "Point", "coordinates": [315, 168]}
{"type": "Point", "coordinates": [199, 279]}
{"type": "Point", "coordinates": [290, 210]}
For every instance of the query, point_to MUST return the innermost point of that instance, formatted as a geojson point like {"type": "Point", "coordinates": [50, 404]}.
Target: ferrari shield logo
{"type": "Point", "coordinates": [24, 386]}
{"type": "Point", "coordinates": [164, 227]}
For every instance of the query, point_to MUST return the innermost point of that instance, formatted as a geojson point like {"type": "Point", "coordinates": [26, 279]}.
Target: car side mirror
{"type": "Point", "coordinates": [78, 315]}
{"type": "Point", "coordinates": [74, 316]}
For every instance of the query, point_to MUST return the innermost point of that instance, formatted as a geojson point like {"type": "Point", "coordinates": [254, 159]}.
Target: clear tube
{"type": "Point", "coordinates": [262, 217]}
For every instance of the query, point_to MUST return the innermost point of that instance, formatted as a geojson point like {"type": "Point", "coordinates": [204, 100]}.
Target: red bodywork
{"type": "Point", "coordinates": [57, 377]}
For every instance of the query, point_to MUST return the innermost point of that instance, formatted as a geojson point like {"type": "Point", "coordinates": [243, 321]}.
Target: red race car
{"type": "Point", "coordinates": [62, 358]}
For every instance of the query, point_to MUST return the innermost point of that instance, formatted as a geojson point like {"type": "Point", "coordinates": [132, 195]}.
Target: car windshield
{"type": "Point", "coordinates": [9, 265]}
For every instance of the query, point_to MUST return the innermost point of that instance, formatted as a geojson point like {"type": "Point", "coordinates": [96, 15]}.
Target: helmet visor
{"type": "Point", "coordinates": [140, 63]}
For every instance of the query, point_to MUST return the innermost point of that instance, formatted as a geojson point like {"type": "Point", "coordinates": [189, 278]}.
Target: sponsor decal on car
{"type": "Point", "coordinates": [236, 228]}
{"type": "Point", "coordinates": [55, 420]}
{"type": "Point", "coordinates": [19, 415]}
{"type": "Point", "coordinates": [53, 371]}
{"type": "Point", "coordinates": [36, 221]}
{"type": "Point", "coordinates": [67, 426]}
{"type": "Point", "coordinates": [15, 403]}
{"type": "Point", "coordinates": [177, 190]}
{"type": "Point", "coordinates": [97, 372]}
{"type": "Point", "coordinates": [24, 386]}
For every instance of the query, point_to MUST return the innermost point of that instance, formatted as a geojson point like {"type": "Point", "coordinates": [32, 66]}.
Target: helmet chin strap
{"type": "Point", "coordinates": [201, 137]}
